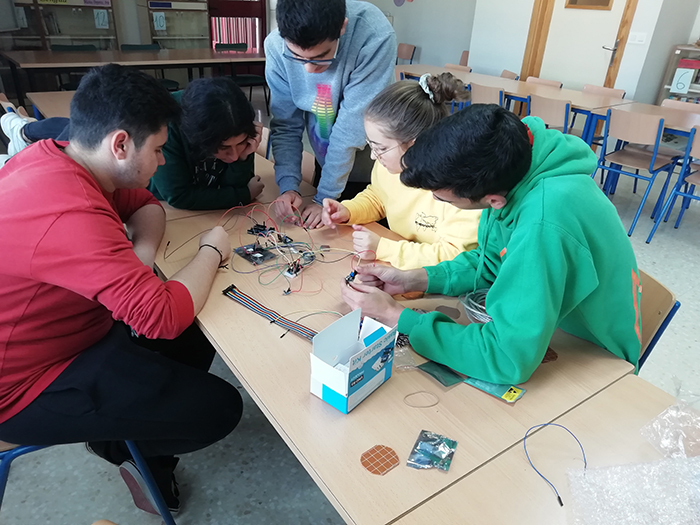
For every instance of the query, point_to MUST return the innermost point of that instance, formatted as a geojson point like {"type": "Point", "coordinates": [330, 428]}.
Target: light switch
{"type": "Point", "coordinates": [637, 38]}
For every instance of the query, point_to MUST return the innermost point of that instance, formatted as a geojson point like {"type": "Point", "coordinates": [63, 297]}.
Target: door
{"type": "Point", "coordinates": [577, 46]}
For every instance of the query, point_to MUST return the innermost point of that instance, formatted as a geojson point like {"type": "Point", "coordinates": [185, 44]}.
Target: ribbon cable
{"type": "Point", "coordinates": [234, 293]}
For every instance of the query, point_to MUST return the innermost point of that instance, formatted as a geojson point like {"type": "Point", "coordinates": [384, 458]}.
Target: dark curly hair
{"type": "Point", "coordinates": [213, 111]}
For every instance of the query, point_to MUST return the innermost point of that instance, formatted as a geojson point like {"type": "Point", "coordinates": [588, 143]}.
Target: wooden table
{"type": "Point", "coordinates": [275, 371]}
{"type": "Point", "coordinates": [593, 106]}
{"type": "Point", "coordinates": [48, 104]}
{"type": "Point", "coordinates": [507, 489]}
{"type": "Point", "coordinates": [32, 61]}
{"type": "Point", "coordinates": [677, 121]}
{"type": "Point", "coordinates": [597, 104]}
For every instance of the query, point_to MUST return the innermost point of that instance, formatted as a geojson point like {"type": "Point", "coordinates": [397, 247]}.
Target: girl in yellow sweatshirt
{"type": "Point", "coordinates": [433, 231]}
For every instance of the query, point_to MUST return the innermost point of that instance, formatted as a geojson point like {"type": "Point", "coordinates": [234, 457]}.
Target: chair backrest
{"type": "Point", "coordinates": [657, 303]}
{"type": "Point", "coordinates": [464, 59]}
{"type": "Point", "coordinates": [155, 46]}
{"type": "Point", "coordinates": [405, 52]}
{"type": "Point", "coordinates": [509, 74]}
{"type": "Point", "coordinates": [604, 91]}
{"type": "Point", "coordinates": [242, 46]}
{"type": "Point", "coordinates": [695, 147]}
{"type": "Point", "coordinates": [486, 94]}
{"type": "Point", "coordinates": [77, 47]}
{"type": "Point", "coordinates": [457, 67]}
{"type": "Point", "coordinates": [407, 75]}
{"type": "Point", "coordinates": [538, 80]}
{"type": "Point", "coordinates": [679, 104]}
{"type": "Point", "coordinates": [263, 148]}
{"type": "Point", "coordinates": [555, 113]}
{"type": "Point", "coordinates": [637, 128]}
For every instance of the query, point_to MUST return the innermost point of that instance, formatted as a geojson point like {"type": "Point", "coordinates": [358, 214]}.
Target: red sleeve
{"type": "Point", "coordinates": [88, 253]}
{"type": "Point", "coordinates": [126, 201]}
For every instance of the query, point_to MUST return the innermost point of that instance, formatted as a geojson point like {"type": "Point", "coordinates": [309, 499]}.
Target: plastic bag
{"type": "Point", "coordinates": [676, 431]}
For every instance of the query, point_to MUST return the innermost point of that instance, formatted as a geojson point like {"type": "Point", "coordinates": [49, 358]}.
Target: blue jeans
{"type": "Point", "coordinates": [57, 128]}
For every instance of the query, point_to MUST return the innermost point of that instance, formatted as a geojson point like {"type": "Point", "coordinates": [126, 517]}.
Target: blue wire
{"type": "Point", "coordinates": [585, 462]}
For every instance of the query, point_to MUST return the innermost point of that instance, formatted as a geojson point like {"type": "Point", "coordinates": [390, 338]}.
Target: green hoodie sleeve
{"type": "Point", "coordinates": [173, 180]}
{"type": "Point", "coordinates": [534, 290]}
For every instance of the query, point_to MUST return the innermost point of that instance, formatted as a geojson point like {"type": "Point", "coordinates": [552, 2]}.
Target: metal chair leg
{"type": "Point", "coordinates": [151, 483]}
{"type": "Point", "coordinates": [684, 207]}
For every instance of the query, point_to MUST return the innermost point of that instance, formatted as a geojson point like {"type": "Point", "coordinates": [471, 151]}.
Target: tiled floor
{"type": "Point", "coordinates": [252, 478]}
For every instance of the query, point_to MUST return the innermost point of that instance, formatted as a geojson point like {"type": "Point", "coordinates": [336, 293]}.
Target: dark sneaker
{"type": "Point", "coordinates": [165, 479]}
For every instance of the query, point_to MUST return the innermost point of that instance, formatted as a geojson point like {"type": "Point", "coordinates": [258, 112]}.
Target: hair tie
{"type": "Point", "coordinates": [530, 136]}
{"type": "Point", "coordinates": [424, 84]}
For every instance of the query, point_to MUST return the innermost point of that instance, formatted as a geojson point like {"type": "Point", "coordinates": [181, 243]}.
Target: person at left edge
{"type": "Point", "coordinates": [74, 284]}
{"type": "Point", "coordinates": [209, 155]}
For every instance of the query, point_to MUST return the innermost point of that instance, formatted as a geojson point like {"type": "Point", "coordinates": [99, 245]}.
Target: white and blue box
{"type": "Point", "coordinates": [351, 358]}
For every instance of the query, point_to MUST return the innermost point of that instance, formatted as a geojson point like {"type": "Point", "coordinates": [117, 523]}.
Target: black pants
{"type": "Point", "coordinates": [359, 177]}
{"type": "Point", "coordinates": [157, 393]}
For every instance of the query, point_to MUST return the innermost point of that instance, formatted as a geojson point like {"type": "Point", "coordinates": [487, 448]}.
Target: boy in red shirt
{"type": "Point", "coordinates": [73, 286]}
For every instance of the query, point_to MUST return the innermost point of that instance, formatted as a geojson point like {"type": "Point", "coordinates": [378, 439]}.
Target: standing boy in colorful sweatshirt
{"type": "Point", "coordinates": [552, 249]}
{"type": "Point", "coordinates": [326, 62]}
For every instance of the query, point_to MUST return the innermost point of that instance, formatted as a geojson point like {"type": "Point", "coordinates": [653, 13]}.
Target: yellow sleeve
{"type": "Point", "coordinates": [459, 234]}
{"type": "Point", "coordinates": [367, 206]}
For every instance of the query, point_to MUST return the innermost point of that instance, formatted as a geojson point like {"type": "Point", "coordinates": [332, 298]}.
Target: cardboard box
{"type": "Point", "coordinates": [348, 363]}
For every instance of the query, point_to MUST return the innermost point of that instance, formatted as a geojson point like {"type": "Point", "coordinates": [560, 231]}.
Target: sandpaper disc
{"type": "Point", "coordinates": [379, 459]}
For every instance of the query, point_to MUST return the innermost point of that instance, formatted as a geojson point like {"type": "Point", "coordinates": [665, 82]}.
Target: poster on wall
{"type": "Point", "coordinates": [159, 21]}
{"type": "Point", "coordinates": [681, 80]}
{"type": "Point", "coordinates": [101, 19]}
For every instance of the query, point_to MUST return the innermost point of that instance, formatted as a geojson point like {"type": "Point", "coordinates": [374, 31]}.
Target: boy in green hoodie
{"type": "Point", "coordinates": [552, 250]}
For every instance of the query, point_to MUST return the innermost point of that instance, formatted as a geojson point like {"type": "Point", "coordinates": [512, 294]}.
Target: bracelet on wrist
{"type": "Point", "coordinates": [221, 255]}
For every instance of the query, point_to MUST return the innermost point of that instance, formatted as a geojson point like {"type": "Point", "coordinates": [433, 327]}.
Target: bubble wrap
{"type": "Point", "coordinates": [675, 432]}
{"type": "Point", "coordinates": [665, 492]}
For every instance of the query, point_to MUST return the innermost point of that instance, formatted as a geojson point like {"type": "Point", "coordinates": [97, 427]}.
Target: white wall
{"type": "Point", "coordinates": [440, 30]}
{"type": "Point", "coordinates": [695, 31]}
{"type": "Point", "coordinates": [643, 25]}
{"type": "Point", "coordinates": [574, 53]}
{"type": "Point", "coordinates": [499, 36]}
{"type": "Point", "coordinates": [675, 22]}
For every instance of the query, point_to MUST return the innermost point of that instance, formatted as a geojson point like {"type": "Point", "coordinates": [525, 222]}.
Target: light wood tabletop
{"type": "Point", "coordinates": [52, 103]}
{"type": "Point", "coordinates": [596, 104]}
{"type": "Point", "coordinates": [164, 57]}
{"type": "Point", "coordinates": [674, 119]}
{"type": "Point", "coordinates": [275, 371]}
{"type": "Point", "coordinates": [507, 489]}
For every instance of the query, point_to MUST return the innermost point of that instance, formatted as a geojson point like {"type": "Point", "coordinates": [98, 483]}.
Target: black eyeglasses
{"type": "Point", "coordinates": [324, 62]}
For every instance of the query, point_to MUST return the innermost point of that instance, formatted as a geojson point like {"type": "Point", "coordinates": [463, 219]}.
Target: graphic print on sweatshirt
{"type": "Point", "coordinates": [426, 222]}
{"type": "Point", "coordinates": [324, 117]}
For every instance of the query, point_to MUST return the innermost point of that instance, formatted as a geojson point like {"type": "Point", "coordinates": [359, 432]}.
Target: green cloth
{"type": "Point", "coordinates": [177, 182]}
{"type": "Point", "coordinates": [556, 255]}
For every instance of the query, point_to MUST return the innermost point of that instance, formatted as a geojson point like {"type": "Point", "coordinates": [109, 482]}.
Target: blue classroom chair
{"type": "Point", "coordinates": [638, 141]}
{"type": "Point", "coordinates": [685, 185]}
{"type": "Point", "coordinates": [657, 309]}
{"type": "Point", "coordinates": [11, 452]}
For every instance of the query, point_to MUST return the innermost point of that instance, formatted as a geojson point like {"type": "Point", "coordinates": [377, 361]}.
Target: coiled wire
{"type": "Point", "coordinates": [475, 306]}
